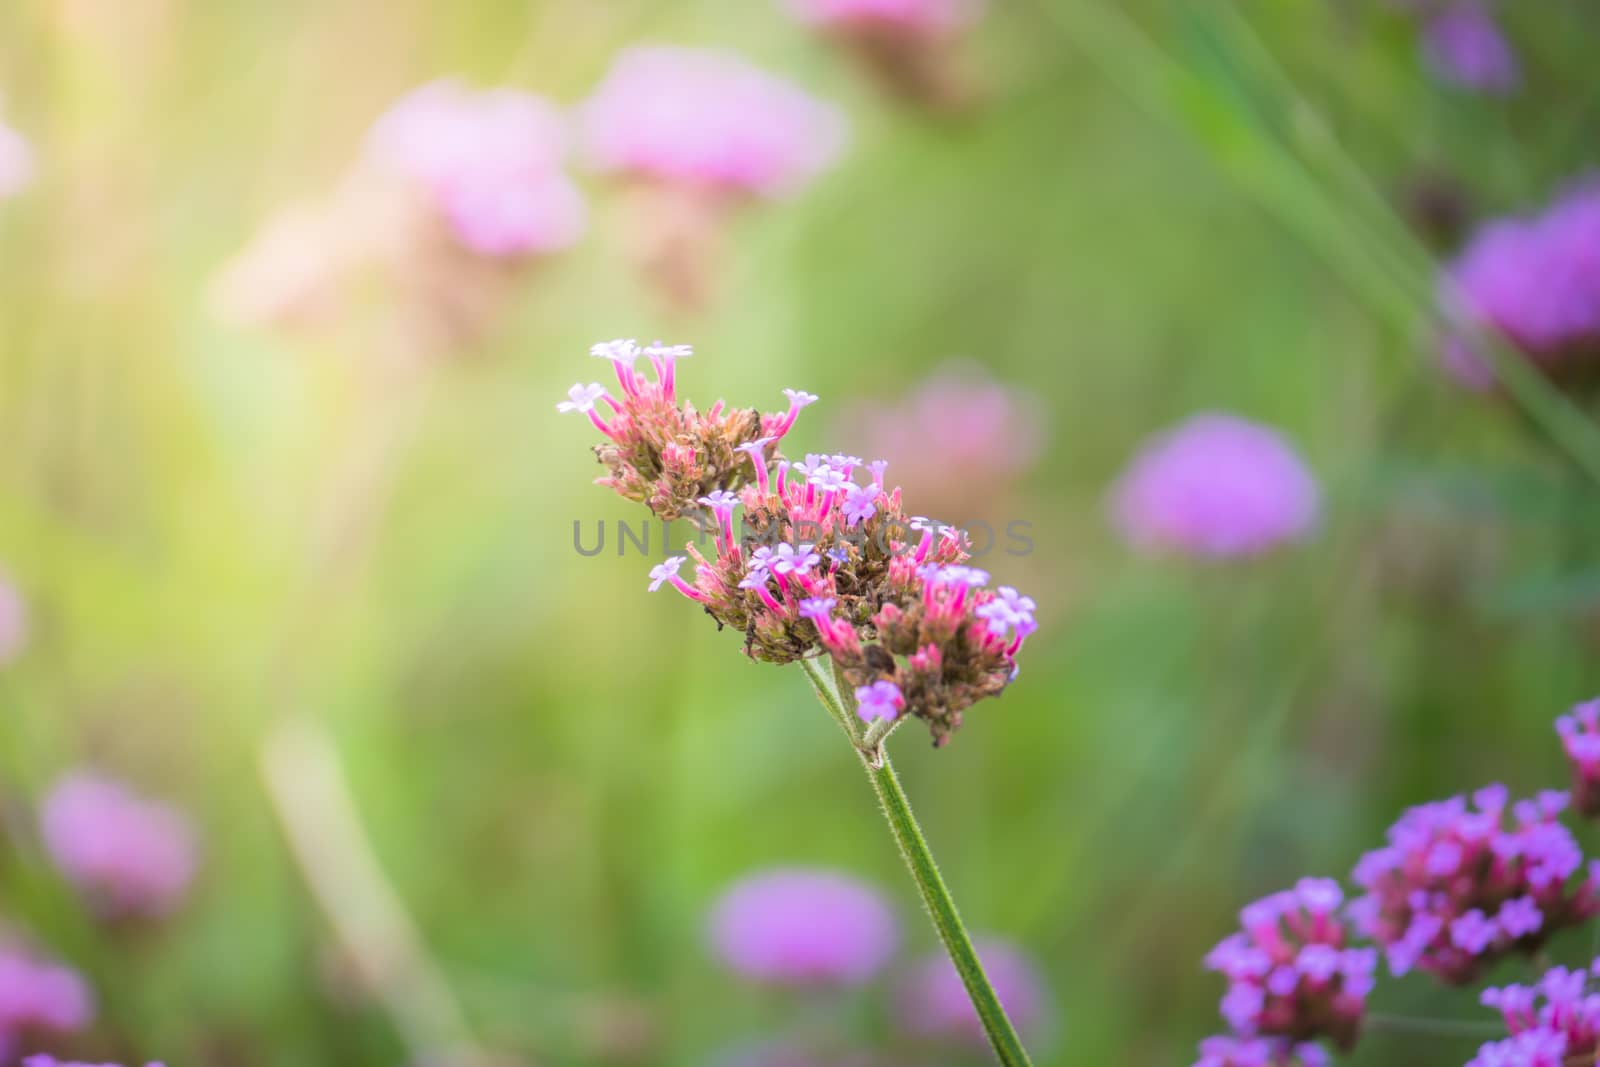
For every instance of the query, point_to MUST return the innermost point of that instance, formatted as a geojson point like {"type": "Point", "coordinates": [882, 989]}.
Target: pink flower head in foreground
{"type": "Point", "coordinates": [16, 162]}
{"type": "Point", "coordinates": [820, 562]}
{"type": "Point", "coordinates": [491, 159]}
{"type": "Point", "coordinates": [1580, 736]}
{"type": "Point", "coordinates": [920, 16]}
{"type": "Point", "coordinates": [13, 621]}
{"type": "Point", "coordinates": [1461, 884]}
{"type": "Point", "coordinates": [1466, 48]}
{"type": "Point", "coordinates": [131, 857]}
{"type": "Point", "coordinates": [708, 118]}
{"type": "Point", "coordinates": [1291, 973]}
{"type": "Point", "coordinates": [957, 440]}
{"type": "Point", "coordinates": [804, 927]}
{"type": "Point", "coordinates": [931, 1001]}
{"type": "Point", "coordinates": [1536, 281]}
{"type": "Point", "coordinates": [1216, 486]}
{"type": "Point", "coordinates": [1554, 1023]}
{"type": "Point", "coordinates": [38, 996]}
{"type": "Point", "coordinates": [1230, 1051]}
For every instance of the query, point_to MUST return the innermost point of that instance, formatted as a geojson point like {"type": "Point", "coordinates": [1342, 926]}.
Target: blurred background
{"type": "Point", "coordinates": [287, 521]}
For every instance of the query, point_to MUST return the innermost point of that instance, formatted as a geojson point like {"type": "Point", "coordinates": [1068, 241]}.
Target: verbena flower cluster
{"type": "Point", "coordinates": [38, 997]}
{"type": "Point", "coordinates": [803, 927]}
{"type": "Point", "coordinates": [129, 857]}
{"type": "Point", "coordinates": [1464, 46]}
{"type": "Point", "coordinates": [1460, 884]}
{"type": "Point", "coordinates": [707, 117]}
{"type": "Point", "coordinates": [1536, 282]}
{"type": "Point", "coordinates": [1553, 1023]}
{"type": "Point", "coordinates": [792, 926]}
{"type": "Point", "coordinates": [1216, 486]}
{"type": "Point", "coordinates": [1291, 973]}
{"type": "Point", "coordinates": [821, 561]}
{"type": "Point", "coordinates": [491, 160]}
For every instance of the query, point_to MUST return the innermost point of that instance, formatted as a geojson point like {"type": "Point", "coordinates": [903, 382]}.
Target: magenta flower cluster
{"type": "Point", "coordinates": [1459, 884]}
{"type": "Point", "coordinates": [1462, 883]}
{"type": "Point", "coordinates": [1579, 730]}
{"type": "Point", "coordinates": [805, 927]}
{"type": "Point", "coordinates": [1554, 1023]}
{"type": "Point", "coordinates": [130, 857]}
{"type": "Point", "coordinates": [709, 118]}
{"type": "Point", "coordinates": [491, 159]}
{"type": "Point", "coordinates": [1536, 282]}
{"type": "Point", "coordinates": [1216, 486]}
{"type": "Point", "coordinates": [37, 997]}
{"type": "Point", "coordinates": [822, 562]}
{"type": "Point", "coordinates": [1291, 973]}
{"type": "Point", "coordinates": [802, 927]}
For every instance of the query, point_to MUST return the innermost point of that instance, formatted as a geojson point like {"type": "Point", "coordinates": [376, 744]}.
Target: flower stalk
{"type": "Point", "coordinates": [936, 898]}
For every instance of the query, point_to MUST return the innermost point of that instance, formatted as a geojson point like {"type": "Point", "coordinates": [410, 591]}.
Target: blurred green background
{"type": "Point", "coordinates": [1158, 208]}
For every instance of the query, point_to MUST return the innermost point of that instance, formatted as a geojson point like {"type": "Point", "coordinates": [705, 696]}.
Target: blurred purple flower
{"type": "Point", "coordinates": [957, 440]}
{"type": "Point", "coordinates": [931, 1001]}
{"type": "Point", "coordinates": [924, 16]}
{"type": "Point", "coordinates": [37, 995]}
{"type": "Point", "coordinates": [708, 118]}
{"type": "Point", "coordinates": [801, 926]}
{"type": "Point", "coordinates": [1465, 47]}
{"type": "Point", "coordinates": [492, 161]}
{"type": "Point", "coordinates": [1535, 280]}
{"type": "Point", "coordinates": [1461, 884]}
{"type": "Point", "coordinates": [1580, 736]}
{"type": "Point", "coordinates": [130, 857]}
{"type": "Point", "coordinates": [16, 162]}
{"type": "Point", "coordinates": [13, 621]}
{"type": "Point", "coordinates": [1291, 973]}
{"type": "Point", "coordinates": [1229, 1051]}
{"type": "Point", "coordinates": [1564, 1029]}
{"type": "Point", "coordinates": [1215, 486]}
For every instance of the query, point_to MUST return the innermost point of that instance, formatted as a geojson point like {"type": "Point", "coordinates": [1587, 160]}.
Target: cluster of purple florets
{"type": "Point", "coordinates": [1459, 884]}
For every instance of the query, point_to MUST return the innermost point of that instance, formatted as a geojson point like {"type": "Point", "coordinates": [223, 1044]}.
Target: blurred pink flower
{"type": "Point", "coordinates": [13, 621]}
{"type": "Point", "coordinates": [16, 162]}
{"type": "Point", "coordinates": [1215, 486]}
{"type": "Point", "coordinates": [804, 927]}
{"type": "Point", "coordinates": [931, 1001]}
{"type": "Point", "coordinates": [1466, 48]}
{"type": "Point", "coordinates": [38, 995]}
{"type": "Point", "coordinates": [930, 16]}
{"type": "Point", "coordinates": [1535, 280]}
{"type": "Point", "coordinates": [131, 857]}
{"type": "Point", "coordinates": [956, 441]}
{"type": "Point", "coordinates": [492, 161]}
{"type": "Point", "coordinates": [709, 118]}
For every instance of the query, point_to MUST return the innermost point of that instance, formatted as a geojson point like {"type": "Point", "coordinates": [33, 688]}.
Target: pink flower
{"type": "Point", "coordinates": [1580, 737]}
{"type": "Point", "coordinates": [1216, 486]}
{"type": "Point", "coordinates": [708, 118]}
{"type": "Point", "coordinates": [37, 995]}
{"type": "Point", "coordinates": [492, 161]}
{"type": "Point", "coordinates": [1462, 884]}
{"type": "Point", "coordinates": [927, 16]}
{"type": "Point", "coordinates": [129, 856]}
{"type": "Point", "coordinates": [13, 621]}
{"type": "Point", "coordinates": [931, 1001]}
{"type": "Point", "coordinates": [957, 440]}
{"type": "Point", "coordinates": [1291, 973]}
{"type": "Point", "coordinates": [799, 926]}
{"type": "Point", "coordinates": [1535, 280]}
{"type": "Point", "coordinates": [1553, 1023]}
